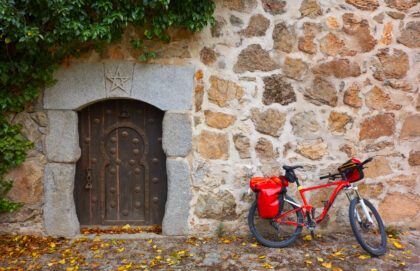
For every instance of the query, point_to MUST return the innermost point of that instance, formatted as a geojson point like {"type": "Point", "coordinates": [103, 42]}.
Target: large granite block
{"type": "Point", "coordinates": [177, 134]}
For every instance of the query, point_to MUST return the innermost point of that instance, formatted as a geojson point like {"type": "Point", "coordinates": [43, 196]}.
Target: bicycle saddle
{"type": "Point", "coordinates": [290, 168]}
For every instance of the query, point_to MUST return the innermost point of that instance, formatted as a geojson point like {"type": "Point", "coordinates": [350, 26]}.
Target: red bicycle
{"type": "Point", "coordinates": [286, 226]}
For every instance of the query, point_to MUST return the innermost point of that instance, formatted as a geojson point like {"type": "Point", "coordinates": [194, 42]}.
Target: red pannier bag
{"type": "Point", "coordinates": [353, 170]}
{"type": "Point", "coordinates": [270, 195]}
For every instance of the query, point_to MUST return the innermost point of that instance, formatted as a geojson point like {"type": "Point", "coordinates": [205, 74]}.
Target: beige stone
{"type": "Point", "coordinates": [331, 45]}
{"type": "Point", "coordinates": [389, 66]}
{"type": "Point", "coordinates": [257, 26]}
{"type": "Point", "coordinates": [414, 158]}
{"type": "Point", "coordinates": [370, 5]}
{"type": "Point", "coordinates": [242, 145]}
{"type": "Point", "coordinates": [338, 121]}
{"type": "Point", "coordinates": [320, 196]}
{"type": "Point", "coordinates": [405, 180]}
{"type": "Point", "coordinates": [283, 37]}
{"type": "Point", "coordinates": [274, 7]}
{"type": "Point", "coordinates": [341, 68]}
{"type": "Point", "coordinates": [351, 96]}
{"type": "Point", "coordinates": [221, 91]}
{"type": "Point", "coordinates": [268, 122]}
{"type": "Point", "coordinates": [27, 186]}
{"type": "Point", "coordinates": [294, 68]}
{"type": "Point", "coordinates": [29, 126]}
{"type": "Point", "coordinates": [254, 58]}
{"type": "Point", "coordinates": [264, 149]}
{"type": "Point", "coordinates": [40, 118]}
{"type": "Point", "coordinates": [370, 191]}
{"type": "Point", "coordinates": [418, 103]}
{"type": "Point", "coordinates": [312, 149]}
{"type": "Point", "coordinates": [270, 168]}
{"type": "Point", "coordinates": [378, 167]}
{"type": "Point", "coordinates": [305, 124]}
{"type": "Point", "coordinates": [349, 150]}
{"type": "Point", "coordinates": [213, 145]}
{"type": "Point", "coordinates": [377, 126]}
{"type": "Point", "coordinates": [376, 99]}
{"type": "Point", "coordinates": [322, 92]}
{"type": "Point", "coordinates": [411, 127]}
{"type": "Point", "coordinates": [332, 23]}
{"type": "Point", "coordinates": [378, 146]}
{"type": "Point", "coordinates": [219, 120]}
{"type": "Point", "coordinates": [359, 31]}
{"type": "Point", "coordinates": [410, 35]}
{"type": "Point", "coordinates": [397, 207]}
{"type": "Point", "coordinates": [221, 205]}
{"type": "Point", "coordinates": [310, 8]}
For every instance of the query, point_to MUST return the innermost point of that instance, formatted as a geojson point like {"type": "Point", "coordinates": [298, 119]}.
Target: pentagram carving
{"type": "Point", "coordinates": [118, 78]}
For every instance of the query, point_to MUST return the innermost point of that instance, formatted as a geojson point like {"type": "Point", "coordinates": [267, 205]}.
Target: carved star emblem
{"type": "Point", "coordinates": [118, 81]}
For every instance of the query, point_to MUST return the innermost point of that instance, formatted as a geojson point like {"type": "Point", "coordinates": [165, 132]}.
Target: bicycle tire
{"type": "Point", "coordinates": [254, 222]}
{"type": "Point", "coordinates": [368, 237]}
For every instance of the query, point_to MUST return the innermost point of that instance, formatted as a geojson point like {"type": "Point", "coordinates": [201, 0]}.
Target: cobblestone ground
{"type": "Point", "coordinates": [148, 251]}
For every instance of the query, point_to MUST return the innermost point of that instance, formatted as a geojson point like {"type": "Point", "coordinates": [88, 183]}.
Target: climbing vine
{"type": "Point", "coordinates": [36, 36]}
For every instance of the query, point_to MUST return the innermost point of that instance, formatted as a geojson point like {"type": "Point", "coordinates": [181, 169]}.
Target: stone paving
{"type": "Point", "coordinates": [145, 251]}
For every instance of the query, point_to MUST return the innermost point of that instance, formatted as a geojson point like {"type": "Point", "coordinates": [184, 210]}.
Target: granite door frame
{"type": "Point", "coordinates": [169, 88]}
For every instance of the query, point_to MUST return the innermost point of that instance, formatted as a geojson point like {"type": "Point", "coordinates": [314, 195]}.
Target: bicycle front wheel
{"type": "Point", "coordinates": [371, 237]}
{"type": "Point", "coordinates": [271, 233]}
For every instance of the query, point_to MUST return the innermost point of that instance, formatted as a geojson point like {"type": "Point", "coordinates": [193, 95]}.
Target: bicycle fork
{"type": "Point", "coordinates": [351, 196]}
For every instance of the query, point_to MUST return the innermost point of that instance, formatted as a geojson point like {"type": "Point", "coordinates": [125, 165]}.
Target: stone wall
{"type": "Point", "coordinates": [283, 82]}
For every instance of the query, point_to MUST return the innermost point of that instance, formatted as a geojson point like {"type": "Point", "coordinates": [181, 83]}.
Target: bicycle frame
{"type": "Point", "coordinates": [306, 208]}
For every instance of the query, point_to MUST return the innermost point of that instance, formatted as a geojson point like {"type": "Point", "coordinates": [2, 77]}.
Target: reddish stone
{"type": "Point", "coordinates": [401, 5]}
{"type": "Point", "coordinates": [240, 5]}
{"type": "Point", "coordinates": [213, 145]}
{"type": "Point", "coordinates": [376, 99]}
{"type": "Point", "coordinates": [377, 126]}
{"type": "Point", "coordinates": [370, 5]}
{"type": "Point", "coordinates": [414, 158]}
{"type": "Point", "coordinates": [199, 94]}
{"type": "Point", "coordinates": [207, 56]}
{"type": "Point", "coordinates": [389, 66]}
{"type": "Point", "coordinates": [331, 45]}
{"type": "Point", "coordinates": [341, 68]}
{"type": "Point", "coordinates": [359, 29]}
{"type": "Point", "coordinates": [397, 207]}
{"type": "Point", "coordinates": [274, 7]}
{"type": "Point", "coordinates": [351, 96]}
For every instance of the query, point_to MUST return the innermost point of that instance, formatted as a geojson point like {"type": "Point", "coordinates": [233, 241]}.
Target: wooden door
{"type": "Point", "coordinates": [121, 175]}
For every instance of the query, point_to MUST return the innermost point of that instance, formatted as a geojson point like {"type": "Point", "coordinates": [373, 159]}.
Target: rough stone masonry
{"type": "Point", "coordinates": [276, 82]}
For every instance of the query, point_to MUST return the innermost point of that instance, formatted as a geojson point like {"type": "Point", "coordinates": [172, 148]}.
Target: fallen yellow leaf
{"type": "Point", "coordinates": [391, 255]}
{"type": "Point", "coordinates": [337, 269]}
{"type": "Point", "coordinates": [307, 238]}
{"type": "Point", "coordinates": [261, 257]}
{"type": "Point", "coordinates": [373, 269]}
{"type": "Point", "coordinates": [96, 239]}
{"type": "Point", "coordinates": [120, 250]}
{"type": "Point", "coordinates": [267, 266]}
{"type": "Point", "coordinates": [364, 257]}
{"type": "Point", "coordinates": [63, 261]}
{"type": "Point", "coordinates": [227, 241]}
{"type": "Point", "coordinates": [307, 262]}
{"type": "Point", "coordinates": [327, 265]}
{"type": "Point", "coordinates": [397, 245]}
{"type": "Point", "coordinates": [244, 244]}
{"type": "Point", "coordinates": [126, 227]}
{"type": "Point", "coordinates": [320, 259]}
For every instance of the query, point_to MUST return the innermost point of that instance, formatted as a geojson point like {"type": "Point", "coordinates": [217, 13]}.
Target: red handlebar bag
{"type": "Point", "coordinates": [270, 195]}
{"type": "Point", "coordinates": [353, 169]}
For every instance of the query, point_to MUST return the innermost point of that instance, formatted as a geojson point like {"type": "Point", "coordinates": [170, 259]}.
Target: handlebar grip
{"type": "Point", "coordinates": [367, 160]}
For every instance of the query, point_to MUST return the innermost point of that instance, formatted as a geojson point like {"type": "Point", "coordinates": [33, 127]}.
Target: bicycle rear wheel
{"type": "Point", "coordinates": [371, 237]}
{"type": "Point", "coordinates": [271, 233]}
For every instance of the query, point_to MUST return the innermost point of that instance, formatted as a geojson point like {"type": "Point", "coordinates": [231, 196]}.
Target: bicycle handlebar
{"type": "Point", "coordinates": [333, 176]}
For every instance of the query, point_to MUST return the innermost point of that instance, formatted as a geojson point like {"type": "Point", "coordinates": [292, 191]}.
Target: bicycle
{"type": "Point", "coordinates": [287, 225]}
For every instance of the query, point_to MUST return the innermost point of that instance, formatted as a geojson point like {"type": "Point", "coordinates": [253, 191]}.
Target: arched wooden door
{"type": "Point", "coordinates": [121, 175]}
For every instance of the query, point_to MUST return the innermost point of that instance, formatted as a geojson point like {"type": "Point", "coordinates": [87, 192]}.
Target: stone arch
{"type": "Point", "coordinates": [168, 88]}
